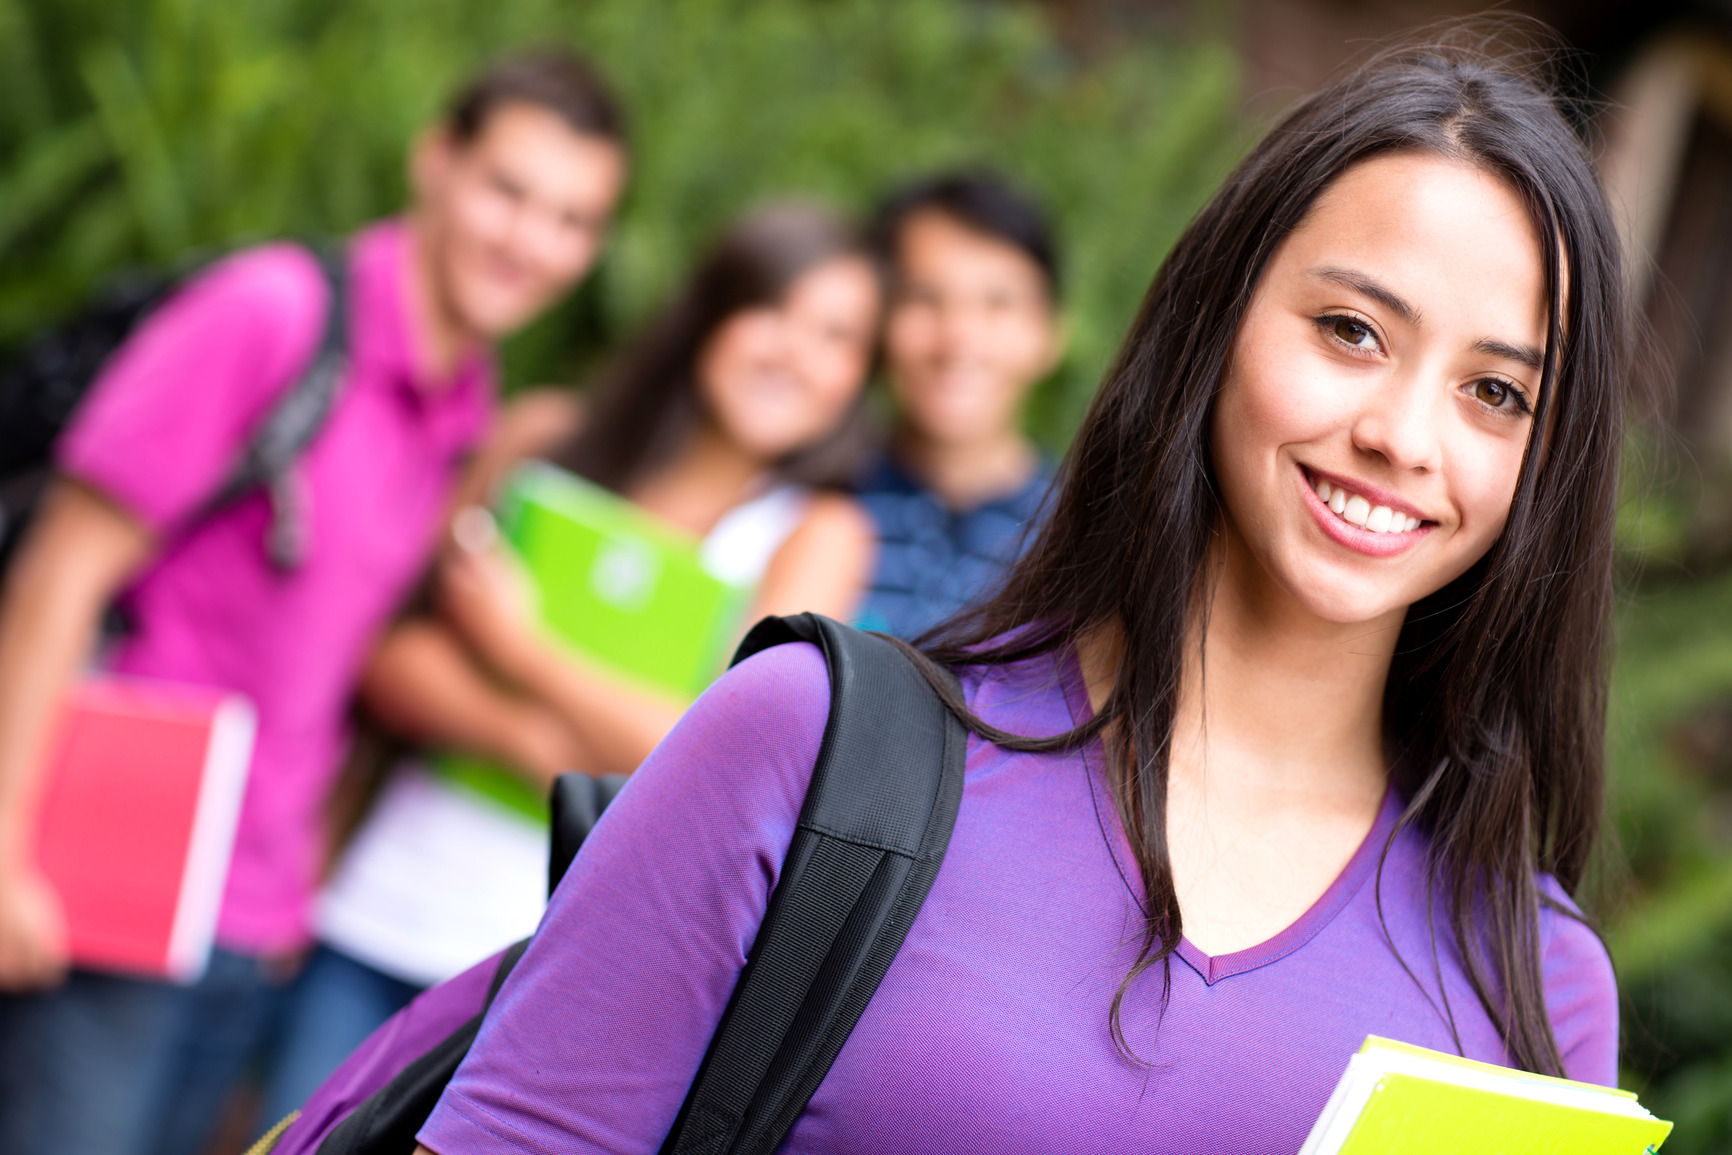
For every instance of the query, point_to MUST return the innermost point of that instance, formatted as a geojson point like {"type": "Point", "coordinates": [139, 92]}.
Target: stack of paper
{"type": "Point", "coordinates": [1400, 1098]}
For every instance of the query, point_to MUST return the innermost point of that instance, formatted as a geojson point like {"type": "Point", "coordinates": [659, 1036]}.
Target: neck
{"type": "Point", "coordinates": [1274, 701]}
{"type": "Point", "coordinates": [709, 476]}
{"type": "Point", "coordinates": [967, 473]}
{"type": "Point", "coordinates": [441, 338]}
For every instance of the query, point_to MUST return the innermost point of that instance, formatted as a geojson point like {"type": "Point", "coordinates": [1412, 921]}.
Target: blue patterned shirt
{"type": "Point", "coordinates": [934, 560]}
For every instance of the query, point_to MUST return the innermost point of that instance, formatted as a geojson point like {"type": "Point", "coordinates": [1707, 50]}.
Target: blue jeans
{"type": "Point", "coordinates": [106, 1065]}
{"type": "Point", "coordinates": [336, 1003]}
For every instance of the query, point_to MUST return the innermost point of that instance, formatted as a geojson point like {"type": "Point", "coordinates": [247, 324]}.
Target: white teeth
{"type": "Point", "coordinates": [1352, 508]}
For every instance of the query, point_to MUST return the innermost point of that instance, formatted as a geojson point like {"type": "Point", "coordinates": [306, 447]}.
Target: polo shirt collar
{"type": "Point", "coordinates": [385, 341]}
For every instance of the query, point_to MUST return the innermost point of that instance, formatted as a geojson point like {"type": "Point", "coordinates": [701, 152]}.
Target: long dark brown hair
{"type": "Point", "coordinates": [1495, 705]}
{"type": "Point", "coordinates": [647, 404]}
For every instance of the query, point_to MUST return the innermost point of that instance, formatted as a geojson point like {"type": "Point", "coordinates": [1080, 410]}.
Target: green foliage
{"type": "Point", "coordinates": [1669, 878]}
{"type": "Point", "coordinates": [137, 132]}
{"type": "Point", "coordinates": [1670, 747]}
{"type": "Point", "coordinates": [1655, 513]}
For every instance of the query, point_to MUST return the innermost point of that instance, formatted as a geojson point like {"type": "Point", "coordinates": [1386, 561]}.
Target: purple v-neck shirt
{"type": "Point", "coordinates": [990, 1031]}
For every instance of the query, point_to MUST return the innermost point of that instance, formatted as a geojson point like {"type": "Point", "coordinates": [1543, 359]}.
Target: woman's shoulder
{"type": "Point", "coordinates": [835, 526]}
{"type": "Point", "coordinates": [775, 687]}
{"type": "Point", "coordinates": [790, 677]}
{"type": "Point", "coordinates": [821, 563]}
{"type": "Point", "coordinates": [740, 759]}
{"type": "Point", "coordinates": [831, 514]}
{"type": "Point", "coordinates": [1581, 988]}
{"type": "Point", "coordinates": [1036, 696]}
{"type": "Point", "coordinates": [769, 693]}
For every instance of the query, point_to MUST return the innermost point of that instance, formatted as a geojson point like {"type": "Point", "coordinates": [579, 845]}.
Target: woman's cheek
{"type": "Point", "coordinates": [1481, 499]}
{"type": "Point", "coordinates": [1297, 403]}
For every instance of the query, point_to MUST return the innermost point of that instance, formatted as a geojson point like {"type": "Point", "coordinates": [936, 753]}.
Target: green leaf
{"type": "Point", "coordinates": [136, 135]}
{"type": "Point", "coordinates": [52, 170]}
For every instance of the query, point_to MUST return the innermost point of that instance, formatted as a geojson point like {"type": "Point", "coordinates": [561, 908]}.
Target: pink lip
{"type": "Point", "coordinates": [1356, 539]}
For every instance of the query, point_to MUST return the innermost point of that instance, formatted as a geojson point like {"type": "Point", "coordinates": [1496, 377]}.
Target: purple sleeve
{"type": "Point", "coordinates": [173, 408]}
{"type": "Point", "coordinates": [1581, 992]}
{"type": "Point", "coordinates": [428, 1019]}
{"type": "Point", "coordinates": [599, 1031]}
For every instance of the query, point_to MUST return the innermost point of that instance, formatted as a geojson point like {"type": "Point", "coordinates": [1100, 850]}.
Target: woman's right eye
{"type": "Point", "coordinates": [1350, 331]}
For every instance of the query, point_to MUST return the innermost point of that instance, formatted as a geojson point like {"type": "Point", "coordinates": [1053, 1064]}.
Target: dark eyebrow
{"type": "Point", "coordinates": [1524, 354]}
{"type": "Point", "coordinates": [1360, 283]}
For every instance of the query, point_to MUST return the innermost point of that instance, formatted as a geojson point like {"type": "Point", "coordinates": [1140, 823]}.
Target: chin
{"type": "Point", "coordinates": [1341, 613]}
{"type": "Point", "coordinates": [1342, 598]}
{"type": "Point", "coordinates": [767, 444]}
{"type": "Point", "coordinates": [494, 318]}
{"type": "Point", "coordinates": [497, 305]}
{"type": "Point", "coordinates": [950, 428]}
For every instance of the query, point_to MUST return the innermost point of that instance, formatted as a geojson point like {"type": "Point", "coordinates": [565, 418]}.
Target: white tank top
{"type": "Point", "coordinates": [739, 547]}
{"type": "Point", "coordinates": [438, 878]}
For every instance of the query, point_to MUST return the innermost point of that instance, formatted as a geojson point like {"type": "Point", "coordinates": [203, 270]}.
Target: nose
{"type": "Point", "coordinates": [1399, 422]}
{"type": "Point", "coordinates": [535, 230]}
{"type": "Point", "coordinates": [959, 331]}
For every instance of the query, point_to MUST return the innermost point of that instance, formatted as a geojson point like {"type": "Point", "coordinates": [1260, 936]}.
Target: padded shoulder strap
{"type": "Point", "coordinates": [291, 424]}
{"type": "Point", "coordinates": [870, 839]}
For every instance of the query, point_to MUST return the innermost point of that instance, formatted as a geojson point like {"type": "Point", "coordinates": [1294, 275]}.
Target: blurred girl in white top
{"type": "Point", "coordinates": [736, 417]}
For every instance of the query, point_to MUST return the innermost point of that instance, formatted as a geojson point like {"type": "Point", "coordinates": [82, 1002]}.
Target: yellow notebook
{"type": "Point", "coordinates": [1396, 1097]}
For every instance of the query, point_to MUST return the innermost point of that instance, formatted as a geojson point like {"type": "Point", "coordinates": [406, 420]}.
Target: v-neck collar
{"type": "Point", "coordinates": [1214, 968]}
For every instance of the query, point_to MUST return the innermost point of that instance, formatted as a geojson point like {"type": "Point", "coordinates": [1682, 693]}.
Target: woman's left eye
{"type": "Point", "coordinates": [1495, 394]}
{"type": "Point", "coordinates": [1350, 331]}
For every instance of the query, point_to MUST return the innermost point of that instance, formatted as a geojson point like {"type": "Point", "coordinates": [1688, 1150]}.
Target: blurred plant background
{"type": "Point", "coordinates": [1671, 925]}
{"type": "Point", "coordinates": [157, 132]}
{"type": "Point", "coordinates": [1666, 883]}
{"type": "Point", "coordinates": [139, 131]}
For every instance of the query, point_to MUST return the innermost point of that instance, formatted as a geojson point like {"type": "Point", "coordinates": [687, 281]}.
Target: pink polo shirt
{"type": "Point", "coordinates": [159, 434]}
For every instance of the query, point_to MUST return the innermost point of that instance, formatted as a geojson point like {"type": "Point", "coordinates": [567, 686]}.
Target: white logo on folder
{"type": "Point", "coordinates": [625, 573]}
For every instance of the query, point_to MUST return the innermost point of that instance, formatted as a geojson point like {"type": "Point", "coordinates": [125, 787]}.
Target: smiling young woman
{"type": "Point", "coordinates": [1391, 274]}
{"type": "Point", "coordinates": [1286, 731]}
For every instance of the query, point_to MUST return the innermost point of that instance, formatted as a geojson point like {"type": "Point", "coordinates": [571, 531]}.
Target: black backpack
{"type": "Point", "coordinates": [871, 837]}
{"type": "Point", "coordinates": [43, 383]}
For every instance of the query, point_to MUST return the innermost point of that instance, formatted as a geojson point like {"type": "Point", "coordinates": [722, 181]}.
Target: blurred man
{"type": "Point", "coordinates": [513, 193]}
{"type": "Point", "coordinates": [973, 326]}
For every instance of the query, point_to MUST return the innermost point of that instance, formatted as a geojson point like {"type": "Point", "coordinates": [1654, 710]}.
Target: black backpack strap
{"type": "Point", "coordinates": [869, 842]}
{"type": "Point", "coordinates": [574, 807]}
{"type": "Point", "coordinates": [290, 426]}
{"type": "Point", "coordinates": [870, 839]}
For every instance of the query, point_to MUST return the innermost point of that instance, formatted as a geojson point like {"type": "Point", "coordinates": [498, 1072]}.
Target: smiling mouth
{"type": "Point", "coordinates": [1358, 511]}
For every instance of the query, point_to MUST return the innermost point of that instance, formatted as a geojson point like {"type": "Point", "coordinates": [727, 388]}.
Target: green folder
{"type": "Point", "coordinates": [1396, 1097]}
{"type": "Point", "coordinates": [617, 585]}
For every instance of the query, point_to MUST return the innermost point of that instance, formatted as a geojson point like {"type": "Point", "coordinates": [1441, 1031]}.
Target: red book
{"type": "Point", "coordinates": [136, 820]}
